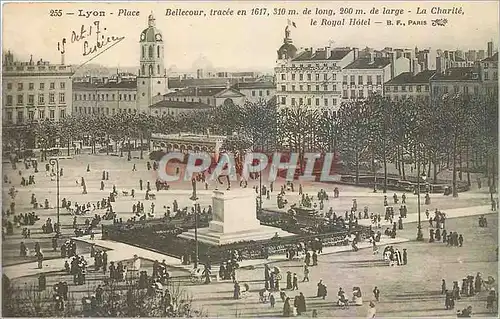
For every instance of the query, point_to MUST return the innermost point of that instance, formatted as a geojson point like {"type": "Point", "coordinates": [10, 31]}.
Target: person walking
{"type": "Point", "coordinates": [295, 285]}
{"type": "Point", "coordinates": [376, 293]}
{"type": "Point", "coordinates": [306, 274]}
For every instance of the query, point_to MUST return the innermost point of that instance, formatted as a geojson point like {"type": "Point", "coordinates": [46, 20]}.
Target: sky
{"type": "Point", "coordinates": [238, 42]}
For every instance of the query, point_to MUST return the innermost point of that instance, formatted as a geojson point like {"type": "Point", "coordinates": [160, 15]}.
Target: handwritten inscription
{"type": "Point", "coordinates": [93, 38]}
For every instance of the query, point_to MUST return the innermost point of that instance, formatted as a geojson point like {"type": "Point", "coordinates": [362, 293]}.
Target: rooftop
{"type": "Point", "coordinates": [493, 58]}
{"type": "Point", "coordinates": [190, 137]}
{"type": "Point", "coordinates": [408, 77]}
{"type": "Point", "coordinates": [335, 55]}
{"type": "Point", "coordinates": [365, 63]}
{"type": "Point", "coordinates": [457, 74]}
{"type": "Point", "coordinates": [255, 85]}
{"type": "Point", "coordinates": [180, 105]}
{"type": "Point", "coordinates": [197, 91]}
{"type": "Point", "coordinates": [109, 85]}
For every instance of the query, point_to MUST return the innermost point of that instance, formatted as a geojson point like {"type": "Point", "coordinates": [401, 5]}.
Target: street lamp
{"type": "Point", "coordinates": [194, 198]}
{"type": "Point", "coordinates": [55, 161]}
{"type": "Point", "coordinates": [420, 235]}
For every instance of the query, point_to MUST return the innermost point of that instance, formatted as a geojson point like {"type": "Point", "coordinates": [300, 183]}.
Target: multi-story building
{"type": "Point", "coordinates": [410, 85]}
{"type": "Point", "coordinates": [310, 78]}
{"type": "Point", "coordinates": [365, 76]}
{"type": "Point", "coordinates": [107, 98]}
{"type": "Point", "coordinates": [488, 73]}
{"type": "Point", "coordinates": [210, 96]}
{"type": "Point", "coordinates": [465, 80]}
{"type": "Point", "coordinates": [126, 93]}
{"type": "Point", "coordinates": [167, 107]}
{"type": "Point", "coordinates": [257, 91]}
{"type": "Point", "coordinates": [32, 91]}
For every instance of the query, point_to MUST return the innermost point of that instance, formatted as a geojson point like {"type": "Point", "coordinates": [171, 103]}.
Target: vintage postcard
{"type": "Point", "coordinates": [250, 159]}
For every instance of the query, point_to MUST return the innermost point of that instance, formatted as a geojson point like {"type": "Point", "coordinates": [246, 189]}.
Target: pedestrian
{"type": "Point", "coordinates": [315, 258]}
{"type": "Point", "coordinates": [376, 293]}
{"type": "Point", "coordinates": [288, 280]}
{"type": "Point", "coordinates": [140, 184]}
{"type": "Point", "coordinates": [460, 240]}
{"type": "Point", "coordinates": [443, 286]}
{"type": "Point", "coordinates": [371, 311]}
{"type": "Point", "coordinates": [102, 185]}
{"type": "Point", "coordinates": [295, 285]}
{"type": "Point", "coordinates": [134, 169]}
{"type": "Point", "coordinates": [306, 274]}
{"type": "Point", "coordinates": [272, 300]}
{"type": "Point", "coordinates": [405, 256]}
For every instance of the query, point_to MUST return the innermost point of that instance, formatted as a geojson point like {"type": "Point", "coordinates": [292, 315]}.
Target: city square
{"type": "Point", "coordinates": [320, 160]}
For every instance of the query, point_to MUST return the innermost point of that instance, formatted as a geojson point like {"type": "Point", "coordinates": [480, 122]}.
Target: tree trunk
{"type": "Point", "coordinates": [454, 186]}
{"type": "Point", "coordinates": [467, 165]}
{"type": "Point", "coordinates": [435, 169]}
{"type": "Point", "coordinates": [121, 148]}
{"type": "Point", "coordinates": [68, 146]}
{"type": "Point", "coordinates": [356, 162]}
{"type": "Point", "coordinates": [403, 165]}
{"type": "Point", "coordinates": [142, 152]}
{"type": "Point", "coordinates": [385, 165]}
{"type": "Point", "coordinates": [429, 167]}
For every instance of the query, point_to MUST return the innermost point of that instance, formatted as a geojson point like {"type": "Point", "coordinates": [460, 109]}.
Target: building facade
{"type": "Point", "coordinates": [457, 81]}
{"type": "Point", "coordinates": [210, 96]}
{"type": "Point", "coordinates": [408, 85]}
{"type": "Point", "coordinates": [257, 91]}
{"type": "Point", "coordinates": [365, 77]}
{"type": "Point", "coordinates": [33, 91]}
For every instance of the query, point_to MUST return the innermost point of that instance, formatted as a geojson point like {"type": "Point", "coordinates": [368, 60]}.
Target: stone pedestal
{"type": "Point", "coordinates": [234, 220]}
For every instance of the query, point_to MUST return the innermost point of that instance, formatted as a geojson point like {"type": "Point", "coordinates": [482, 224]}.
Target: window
{"type": "Point", "coordinates": [107, 97]}
{"type": "Point", "coordinates": [9, 116]}
{"type": "Point", "coordinates": [334, 77]}
{"type": "Point", "coordinates": [495, 75]}
{"type": "Point", "coordinates": [9, 86]}
{"type": "Point", "coordinates": [353, 94]}
{"type": "Point", "coordinates": [445, 89]}
{"type": "Point", "coordinates": [326, 102]}
{"type": "Point", "coordinates": [62, 85]}
{"type": "Point", "coordinates": [308, 101]}
{"type": "Point", "coordinates": [410, 88]}
{"type": "Point", "coordinates": [344, 94]}
{"type": "Point", "coordinates": [396, 88]}
{"type": "Point", "coordinates": [352, 78]}
{"type": "Point", "coordinates": [42, 86]}
{"type": "Point", "coordinates": [466, 89]}
{"type": "Point", "coordinates": [52, 85]}
{"type": "Point", "coordinates": [268, 92]}
{"type": "Point", "coordinates": [486, 65]}
{"type": "Point", "coordinates": [51, 98]}
{"type": "Point", "coordinates": [130, 97]}
{"type": "Point", "coordinates": [113, 96]}
{"type": "Point", "coordinates": [293, 87]}
{"type": "Point", "coordinates": [369, 79]}
{"type": "Point", "coordinates": [158, 51]}
{"type": "Point", "coordinates": [150, 51]}
{"type": "Point", "coordinates": [486, 76]}
{"type": "Point", "coordinates": [301, 101]}
{"type": "Point", "coordinates": [301, 88]}
{"type": "Point", "coordinates": [41, 114]}
{"type": "Point", "coordinates": [419, 88]}
{"type": "Point", "coordinates": [426, 88]}
{"type": "Point", "coordinates": [283, 100]}
{"type": "Point", "coordinates": [396, 98]}
{"type": "Point", "coordinates": [283, 77]}
{"type": "Point", "coordinates": [456, 89]}
{"type": "Point", "coordinates": [379, 79]}
{"type": "Point", "coordinates": [19, 86]}
{"type": "Point", "coordinates": [436, 90]}
{"type": "Point", "coordinates": [62, 114]}
{"type": "Point", "coordinates": [31, 115]}
{"type": "Point", "coordinates": [309, 77]}
{"type": "Point", "coordinates": [360, 79]}
{"type": "Point", "coordinates": [293, 76]}
{"type": "Point", "coordinates": [260, 92]}
{"type": "Point", "coordinates": [403, 88]}
{"type": "Point", "coordinates": [325, 87]}
{"type": "Point", "coordinates": [308, 88]}
{"type": "Point", "coordinates": [317, 102]}
{"type": "Point", "coordinates": [334, 88]}
{"type": "Point", "coordinates": [31, 99]}
{"type": "Point", "coordinates": [85, 97]}
{"type": "Point", "coordinates": [360, 93]}
{"type": "Point", "coordinates": [317, 76]}
{"type": "Point", "coordinates": [293, 101]}
{"type": "Point", "coordinates": [52, 114]}
{"type": "Point", "coordinates": [20, 99]}
{"type": "Point", "coordinates": [301, 77]}
{"type": "Point", "coordinates": [31, 86]}
{"type": "Point", "coordinates": [120, 96]}
{"type": "Point", "coordinates": [283, 88]}
{"type": "Point", "coordinates": [325, 77]}
{"type": "Point", "coordinates": [476, 90]}
{"type": "Point", "coordinates": [134, 96]}
{"type": "Point", "coordinates": [253, 93]}
{"type": "Point", "coordinates": [41, 99]}
{"type": "Point", "coordinates": [317, 87]}
{"type": "Point", "coordinates": [112, 111]}
{"type": "Point", "coordinates": [20, 116]}
{"type": "Point", "coordinates": [62, 98]}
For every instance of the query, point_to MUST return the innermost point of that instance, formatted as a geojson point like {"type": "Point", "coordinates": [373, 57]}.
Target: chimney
{"type": "Point", "coordinates": [356, 53]}
{"type": "Point", "coordinates": [328, 52]}
{"type": "Point", "coordinates": [62, 58]}
{"type": "Point", "coordinates": [393, 62]}
{"type": "Point", "coordinates": [415, 68]}
{"type": "Point", "coordinates": [372, 57]}
{"type": "Point", "coordinates": [490, 49]}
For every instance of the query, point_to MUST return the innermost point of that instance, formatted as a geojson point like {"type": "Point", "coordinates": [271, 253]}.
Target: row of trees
{"type": "Point", "coordinates": [454, 131]}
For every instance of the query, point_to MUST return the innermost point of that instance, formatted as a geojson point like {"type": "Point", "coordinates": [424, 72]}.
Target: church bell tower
{"type": "Point", "coordinates": [152, 81]}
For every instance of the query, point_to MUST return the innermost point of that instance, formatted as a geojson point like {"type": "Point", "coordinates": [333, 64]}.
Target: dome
{"type": "Point", "coordinates": [287, 50]}
{"type": "Point", "coordinates": [151, 34]}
